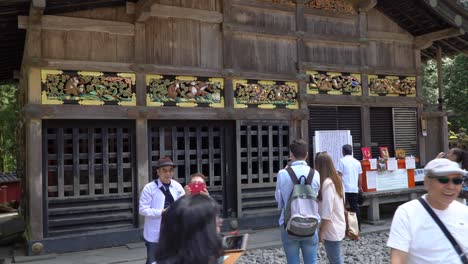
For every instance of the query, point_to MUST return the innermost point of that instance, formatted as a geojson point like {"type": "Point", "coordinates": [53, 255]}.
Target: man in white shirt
{"type": "Point", "coordinates": [155, 198]}
{"type": "Point", "coordinates": [350, 171]}
{"type": "Point", "coordinates": [415, 237]}
{"type": "Point", "coordinates": [284, 186]}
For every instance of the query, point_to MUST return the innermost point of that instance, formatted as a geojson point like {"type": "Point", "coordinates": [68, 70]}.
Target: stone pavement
{"type": "Point", "coordinates": [135, 253]}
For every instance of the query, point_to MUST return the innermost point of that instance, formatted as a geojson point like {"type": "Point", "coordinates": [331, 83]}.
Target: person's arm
{"type": "Point", "coordinates": [278, 196]}
{"type": "Point", "coordinates": [398, 256]}
{"type": "Point", "coordinates": [323, 228]}
{"type": "Point", "coordinates": [360, 182]}
{"type": "Point", "coordinates": [187, 189]}
{"type": "Point", "coordinates": [441, 155]}
{"type": "Point", "coordinates": [339, 168]}
{"type": "Point", "coordinates": [146, 199]}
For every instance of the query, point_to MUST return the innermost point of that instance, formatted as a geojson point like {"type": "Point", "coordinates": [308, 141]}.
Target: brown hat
{"type": "Point", "coordinates": [166, 161]}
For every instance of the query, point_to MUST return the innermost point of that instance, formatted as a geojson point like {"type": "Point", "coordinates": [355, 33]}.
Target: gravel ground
{"type": "Point", "coordinates": [370, 248]}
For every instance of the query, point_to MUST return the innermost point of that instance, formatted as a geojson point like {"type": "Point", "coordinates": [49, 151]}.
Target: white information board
{"type": "Point", "coordinates": [332, 142]}
{"type": "Point", "coordinates": [389, 180]}
{"type": "Point", "coordinates": [371, 179]}
{"type": "Point", "coordinates": [419, 175]}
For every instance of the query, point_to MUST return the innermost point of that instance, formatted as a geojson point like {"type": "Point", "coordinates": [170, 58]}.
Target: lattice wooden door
{"type": "Point", "coordinates": [262, 150]}
{"type": "Point", "coordinates": [89, 178]}
{"type": "Point", "coordinates": [194, 146]}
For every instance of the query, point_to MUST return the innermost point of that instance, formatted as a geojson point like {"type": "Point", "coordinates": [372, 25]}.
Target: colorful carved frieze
{"type": "Point", "coordinates": [392, 85]}
{"type": "Point", "coordinates": [265, 94]}
{"type": "Point", "coordinates": [184, 91]}
{"type": "Point", "coordinates": [342, 6]}
{"type": "Point", "coordinates": [334, 83]}
{"type": "Point", "coordinates": [87, 88]}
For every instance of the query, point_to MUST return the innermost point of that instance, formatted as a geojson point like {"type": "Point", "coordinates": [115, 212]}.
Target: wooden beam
{"type": "Point", "coordinates": [390, 36]}
{"type": "Point", "coordinates": [426, 40]}
{"type": "Point", "coordinates": [81, 24]}
{"type": "Point", "coordinates": [363, 5]}
{"type": "Point", "coordinates": [165, 11]}
{"type": "Point", "coordinates": [448, 44]}
{"type": "Point", "coordinates": [142, 10]}
{"type": "Point", "coordinates": [130, 7]}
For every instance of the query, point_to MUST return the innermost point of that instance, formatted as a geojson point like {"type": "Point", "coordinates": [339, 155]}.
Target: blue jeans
{"type": "Point", "coordinates": [333, 249]}
{"type": "Point", "coordinates": [151, 252]}
{"type": "Point", "coordinates": [292, 244]}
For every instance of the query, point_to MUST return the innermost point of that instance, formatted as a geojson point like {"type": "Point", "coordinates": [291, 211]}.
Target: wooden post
{"type": "Point", "coordinates": [33, 178]}
{"type": "Point", "coordinates": [440, 80]}
{"type": "Point", "coordinates": [142, 172]}
{"type": "Point", "coordinates": [421, 138]}
{"type": "Point", "coordinates": [365, 126]}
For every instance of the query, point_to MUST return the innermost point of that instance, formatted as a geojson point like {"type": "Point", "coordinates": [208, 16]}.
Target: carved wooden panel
{"type": "Point", "coordinates": [265, 94]}
{"type": "Point", "coordinates": [380, 85]}
{"type": "Point", "coordinates": [334, 83]}
{"type": "Point", "coordinates": [184, 91]}
{"type": "Point", "coordinates": [87, 88]}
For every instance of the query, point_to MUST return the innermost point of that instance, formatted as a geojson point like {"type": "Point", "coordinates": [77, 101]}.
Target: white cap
{"type": "Point", "coordinates": [443, 167]}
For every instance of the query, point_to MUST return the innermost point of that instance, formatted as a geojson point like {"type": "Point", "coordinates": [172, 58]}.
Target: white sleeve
{"type": "Point", "coordinates": [316, 181]}
{"type": "Point", "coordinates": [400, 235]}
{"type": "Point", "coordinates": [339, 166]}
{"type": "Point", "coordinates": [327, 201]}
{"type": "Point", "coordinates": [146, 200]}
{"type": "Point", "coordinates": [278, 196]}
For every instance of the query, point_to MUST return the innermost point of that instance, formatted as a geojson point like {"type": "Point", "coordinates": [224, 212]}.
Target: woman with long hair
{"type": "Point", "coordinates": [331, 208]}
{"type": "Point", "coordinates": [190, 232]}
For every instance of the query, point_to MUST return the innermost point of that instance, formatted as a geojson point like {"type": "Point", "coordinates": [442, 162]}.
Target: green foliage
{"type": "Point", "coordinates": [8, 120]}
{"type": "Point", "coordinates": [455, 78]}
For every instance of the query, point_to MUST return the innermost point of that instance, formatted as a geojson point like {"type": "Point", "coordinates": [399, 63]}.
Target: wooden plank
{"type": "Point", "coordinates": [91, 160]}
{"type": "Point", "coordinates": [270, 153]}
{"type": "Point", "coordinates": [210, 46]}
{"type": "Point", "coordinates": [140, 43]}
{"type": "Point", "coordinates": [264, 5]}
{"type": "Point", "coordinates": [105, 159]}
{"type": "Point", "coordinates": [76, 162]}
{"type": "Point", "coordinates": [60, 163]}
{"type": "Point", "coordinates": [198, 142]}
{"type": "Point", "coordinates": [53, 44]}
{"type": "Point", "coordinates": [256, 31]}
{"type": "Point", "coordinates": [67, 23]}
{"type": "Point", "coordinates": [103, 46]}
{"type": "Point", "coordinates": [77, 45]}
{"type": "Point", "coordinates": [158, 49]}
{"type": "Point", "coordinates": [125, 49]}
{"type": "Point", "coordinates": [165, 11]}
{"type": "Point", "coordinates": [186, 45]}
{"type": "Point", "coordinates": [390, 36]}
{"type": "Point", "coordinates": [34, 86]}
{"type": "Point", "coordinates": [308, 65]}
{"type": "Point", "coordinates": [120, 176]}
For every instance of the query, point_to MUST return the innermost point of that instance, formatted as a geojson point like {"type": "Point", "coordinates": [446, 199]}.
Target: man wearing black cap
{"type": "Point", "coordinates": [415, 236]}
{"type": "Point", "coordinates": [155, 198]}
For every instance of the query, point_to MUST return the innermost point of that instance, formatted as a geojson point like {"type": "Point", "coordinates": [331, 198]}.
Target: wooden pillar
{"type": "Point", "coordinates": [142, 165]}
{"type": "Point", "coordinates": [365, 126]}
{"type": "Point", "coordinates": [421, 138]}
{"type": "Point", "coordinates": [440, 79]}
{"type": "Point", "coordinates": [33, 178]}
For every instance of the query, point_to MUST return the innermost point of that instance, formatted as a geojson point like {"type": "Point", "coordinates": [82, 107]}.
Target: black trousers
{"type": "Point", "coordinates": [352, 200]}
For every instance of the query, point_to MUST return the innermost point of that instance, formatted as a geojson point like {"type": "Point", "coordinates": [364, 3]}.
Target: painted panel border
{"type": "Point", "coordinates": [334, 83]}
{"type": "Point", "coordinates": [87, 88]}
{"type": "Point", "coordinates": [381, 85]}
{"type": "Point", "coordinates": [184, 91]}
{"type": "Point", "coordinates": [265, 94]}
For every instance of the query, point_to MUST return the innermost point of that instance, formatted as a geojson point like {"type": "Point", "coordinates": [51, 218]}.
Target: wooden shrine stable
{"type": "Point", "coordinates": [108, 87]}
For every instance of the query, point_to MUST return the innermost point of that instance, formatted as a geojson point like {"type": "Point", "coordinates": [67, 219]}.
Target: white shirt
{"type": "Point", "coordinates": [284, 184]}
{"type": "Point", "coordinates": [332, 208]}
{"type": "Point", "coordinates": [152, 205]}
{"type": "Point", "coordinates": [350, 168]}
{"type": "Point", "coordinates": [415, 232]}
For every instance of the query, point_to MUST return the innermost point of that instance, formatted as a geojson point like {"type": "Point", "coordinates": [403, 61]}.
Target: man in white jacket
{"type": "Point", "coordinates": [155, 198]}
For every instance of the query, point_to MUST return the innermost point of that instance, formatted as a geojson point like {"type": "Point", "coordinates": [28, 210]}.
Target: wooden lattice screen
{"type": "Point", "coordinates": [194, 147]}
{"type": "Point", "coordinates": [89, 183]}
{"type": "Point", "coordinates": [262, 150]}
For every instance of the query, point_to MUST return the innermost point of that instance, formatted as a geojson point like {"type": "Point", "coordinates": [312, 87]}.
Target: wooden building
{"type": "Point", "coordinates": [221, 86]}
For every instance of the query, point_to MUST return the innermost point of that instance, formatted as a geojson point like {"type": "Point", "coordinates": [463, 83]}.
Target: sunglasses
{"type": "Point", "coordinates": [445, 180]}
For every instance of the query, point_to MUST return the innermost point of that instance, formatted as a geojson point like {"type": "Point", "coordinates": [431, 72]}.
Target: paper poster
{"type": "Point", "coordinates": [332, 142]}
{"type": "Point", "coordinates": [373, 164]}
{"type": "Point", "coordinates": [392, 164]}
{"type": "Point", "coordinates": [371, 179]}
{"type": "Point", "coordinates": [410, 163]}
{"type": "Point", "coordinates": [419, 175]}
{"type": "Point", "coordinates": [390, 180]}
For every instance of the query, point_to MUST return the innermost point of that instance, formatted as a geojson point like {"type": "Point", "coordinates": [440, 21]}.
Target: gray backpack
{"type": "Point", "coordinates": [301, 214]}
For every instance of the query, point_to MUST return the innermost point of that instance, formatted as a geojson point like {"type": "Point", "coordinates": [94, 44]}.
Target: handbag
{"type": "Point", "coordinates": [449, 236]}
{"type": "Point", "coordinates": [352, 225]}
